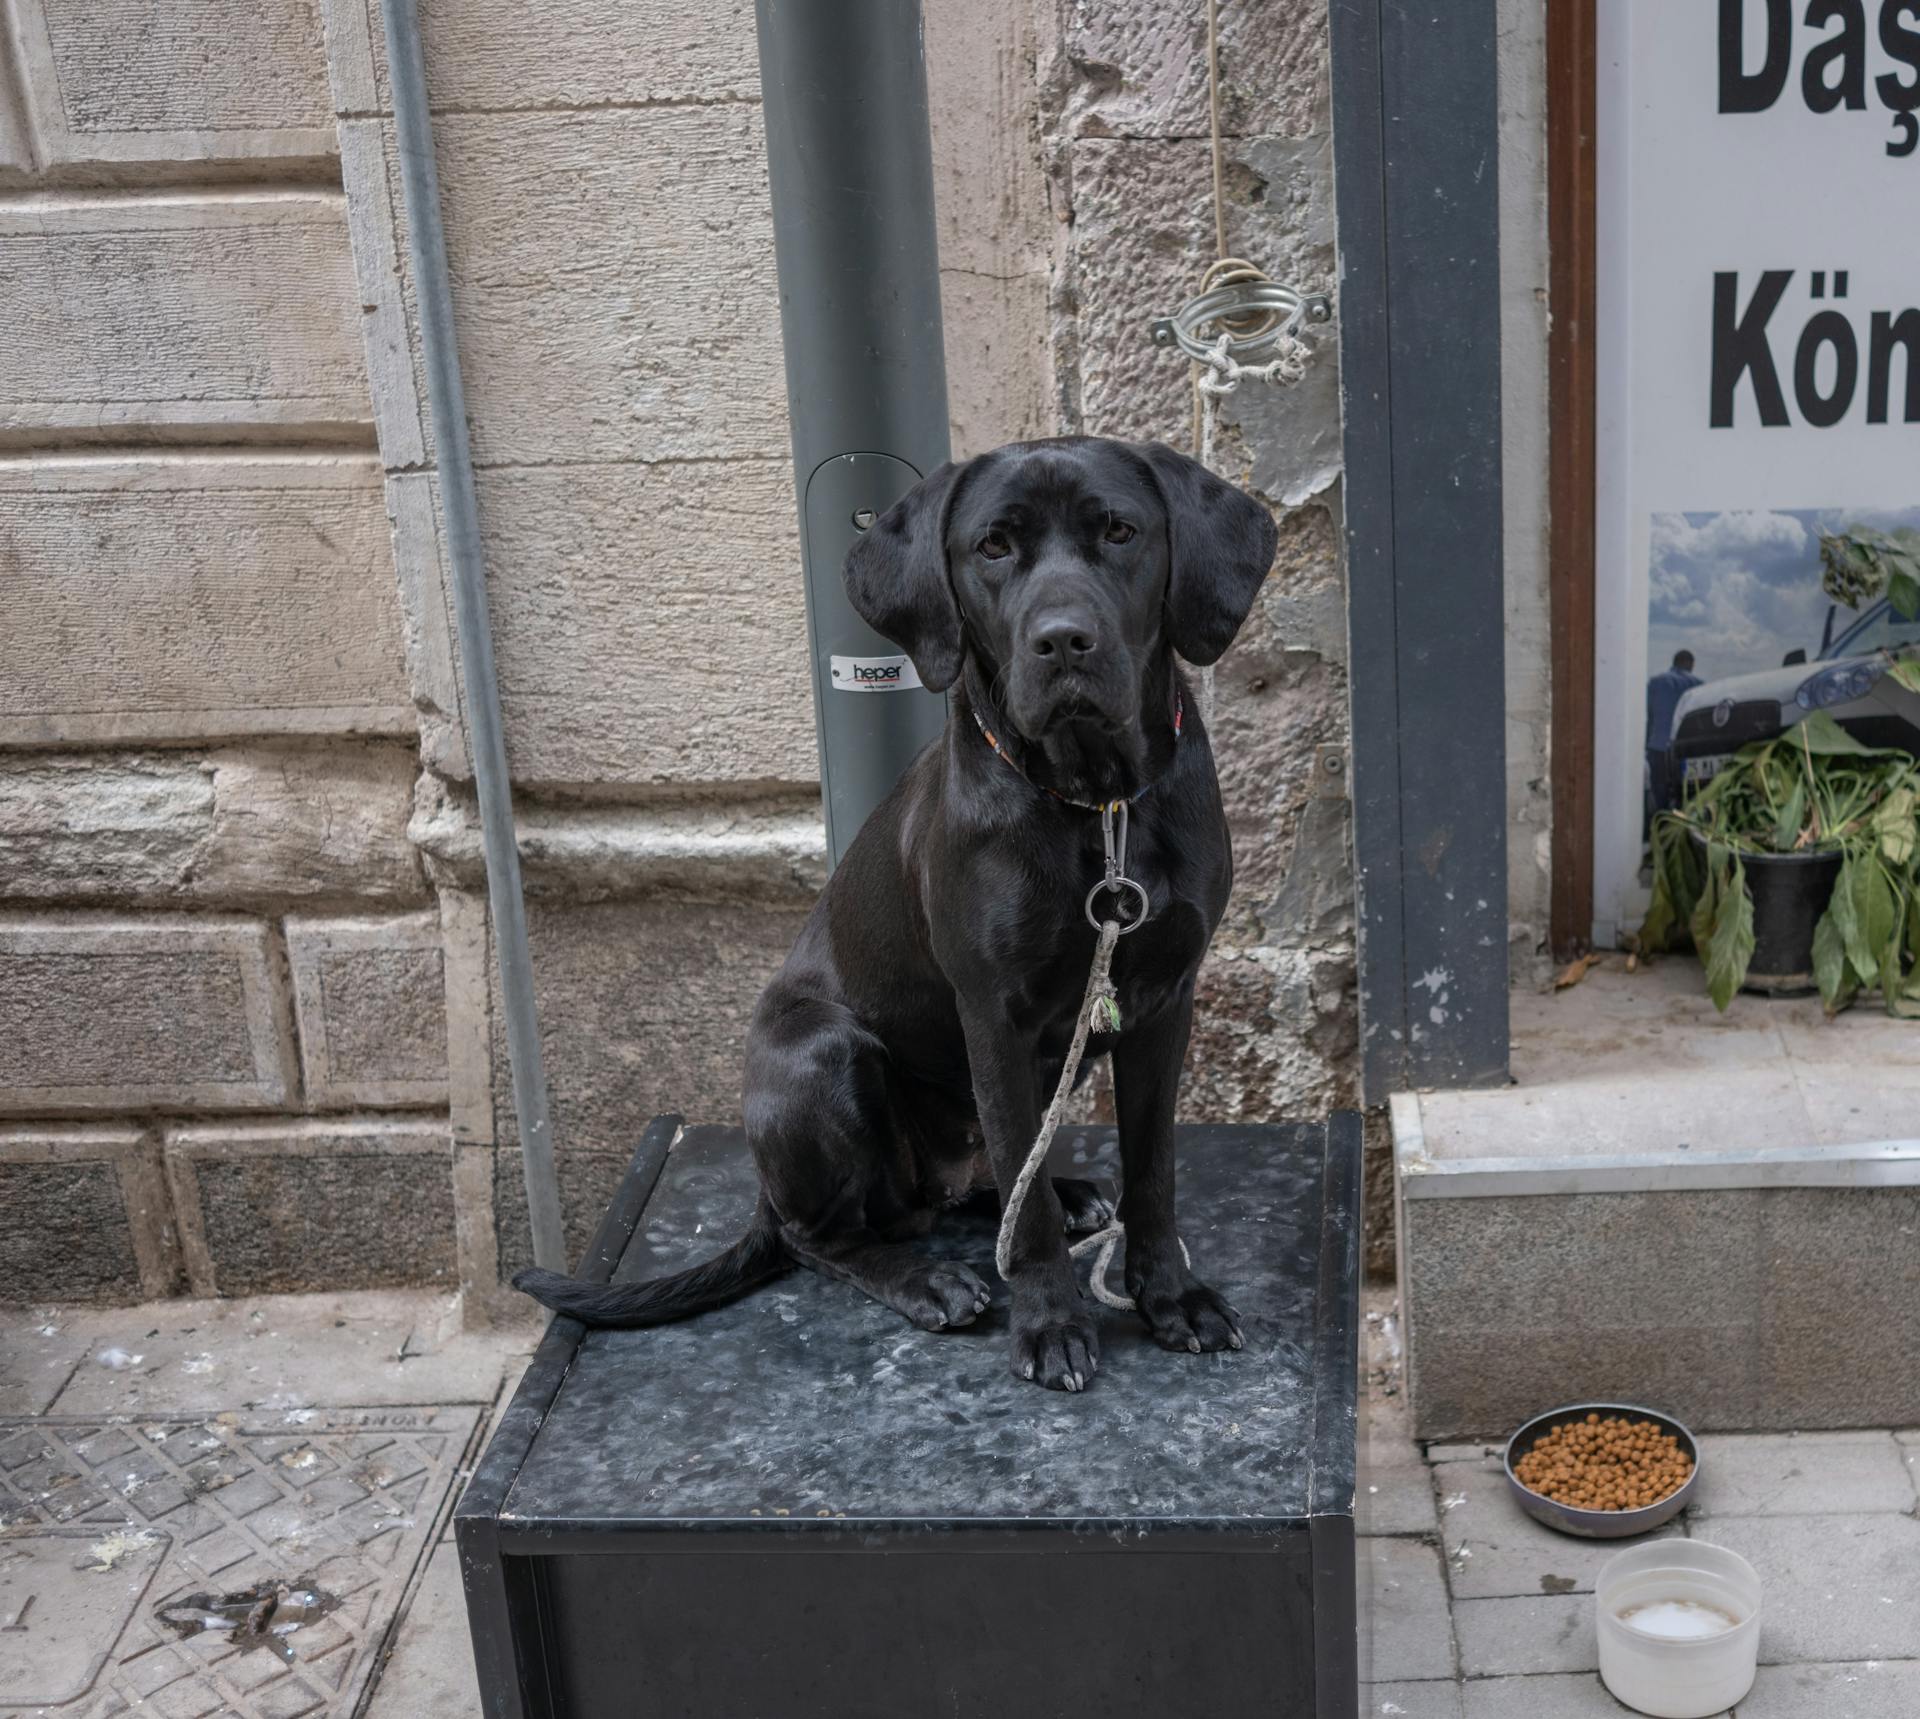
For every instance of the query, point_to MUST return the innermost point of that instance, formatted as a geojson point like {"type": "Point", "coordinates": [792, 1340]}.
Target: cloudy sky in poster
{"type": "Point", "coordinates": [1740, 590]}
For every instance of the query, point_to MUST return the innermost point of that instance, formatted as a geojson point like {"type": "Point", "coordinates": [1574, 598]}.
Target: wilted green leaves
{"type": "Point", "coordinates": [1729, 945]}
{"type": "Point", "coordinates": [1814, 789]}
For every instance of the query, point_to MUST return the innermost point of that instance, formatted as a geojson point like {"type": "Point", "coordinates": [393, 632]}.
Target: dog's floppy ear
{"type": "Point", "coordinates": [897, 581]}
{"type": "Point", "coordinates": [1221, 543]}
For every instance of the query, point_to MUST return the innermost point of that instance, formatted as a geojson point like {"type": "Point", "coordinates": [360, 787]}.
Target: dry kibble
{"type": "Point", "coordinates": [1605, 1464]}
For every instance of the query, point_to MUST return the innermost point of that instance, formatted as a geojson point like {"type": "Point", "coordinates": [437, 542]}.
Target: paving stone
{"type": "Point", "coordinates": [370, 996]}
{"type": "Point", "coordinates": [587, 1182]}
{"type": "Point", "coordinates": [1435, 1700]}
{"type": "Point", "coordinates": [59, 1612]}
{"type": "Point", "coordinates": [1395, 1498]}
{"type": "Point", "coordinates": [1837, 1587]}
{"type": "Point", "coordinates": [102, 1013]}
{"type": "Point", "coordinates": [554, 377]}
{"type": "Point", "coordinates": [1470, 1452]}
{"type": "Point", "coordinates": [39, 1348]}
{"type": "Point", "coordinates": [246, 314]}
{"type": "Point", "coordinates": [64, 1233]}
{"type": "Point", "coordinates": [289, 1352]}
{"type": "Point", "coordinates": [1793, 1299]}
{"type": "Point", "coordinates": [644, 1008]}
{"type": "Point", "coordinates": [1395, 1488]}
{"type": "Point", "coordinates": [100, 1648]}
{"type": "Point", "coordinates": [1841, 1294]}
{"type": "Point", "coordinates": [1410, 1638]}
{"type": "Point", "coordinates": [184, 599]}
{"type": "Point", "coordinates": [1800, 1474]}
{"type": "Point", "coordinates": [1552, 1697]}
{"type": "Point", "coordinates": [1909, 1443]}
{"type": "Point", "coordinates": [430, 1672]}
{"type": "Point", "coordinates": [1146, 70]}
{"type": "Point", "coordinates": [246, 825]}
{"type": "Point", "coordinates": [287, 1206]}
{"type": "Point", "coordinates": [494, 53]}
{"type": "Point", "coordinates": [1864, 1689]}
{"type": "Point", "coordinates": [630, 599]}
{"type": "Point", "coordinates": [1395, 1485]}
{"type": "Point", "coordinates": [1521, 1303]}
{"type": "Point", "coordinates": [1495, 1550]}
{"type": "Point", "coordinates": [1501, 1638]}
{"type": "Point", "coordinates": [131, 80]}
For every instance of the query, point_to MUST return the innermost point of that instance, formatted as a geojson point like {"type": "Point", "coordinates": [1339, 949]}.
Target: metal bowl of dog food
{"type": "Point", "coordinates": [1604, 1471]}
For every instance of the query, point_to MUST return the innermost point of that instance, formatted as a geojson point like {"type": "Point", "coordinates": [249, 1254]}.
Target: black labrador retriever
{"type": "Point", "coordinates": [902, 1059]}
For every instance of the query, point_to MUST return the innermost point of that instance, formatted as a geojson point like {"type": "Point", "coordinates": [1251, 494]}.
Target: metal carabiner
{"type": "Point", "coordinates": [1113, 834]}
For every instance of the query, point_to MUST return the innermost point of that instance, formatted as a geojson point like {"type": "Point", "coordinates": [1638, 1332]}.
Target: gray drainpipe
{"type": "Point", "coordinates": [426, 244]}
{"type": "Point", "coordinates": [844, 88]}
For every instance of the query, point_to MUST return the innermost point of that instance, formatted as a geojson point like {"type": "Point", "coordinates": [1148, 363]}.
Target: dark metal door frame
{"type": "Point", "coordinates": [1416, 163]}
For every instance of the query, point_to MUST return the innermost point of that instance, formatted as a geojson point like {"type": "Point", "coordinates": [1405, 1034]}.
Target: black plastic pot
{"type": "Point", "coordinates": [1789, 893]}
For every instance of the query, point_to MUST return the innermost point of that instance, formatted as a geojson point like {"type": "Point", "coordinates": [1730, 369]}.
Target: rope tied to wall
{"type": "Point", "coordinates": [1238, 313]}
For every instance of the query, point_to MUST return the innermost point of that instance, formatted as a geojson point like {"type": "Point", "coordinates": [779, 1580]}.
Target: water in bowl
{"type": "Point", "coordinates": [1678, 1620]}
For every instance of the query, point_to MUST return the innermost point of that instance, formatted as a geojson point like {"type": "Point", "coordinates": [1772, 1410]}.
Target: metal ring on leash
{"type": "Point", "coordinates": [1235, 300]}
{"type": "Point", "coordinates": [1117, 885]}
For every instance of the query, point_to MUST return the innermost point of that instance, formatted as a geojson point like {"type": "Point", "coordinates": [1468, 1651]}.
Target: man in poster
{"type": "Point", "coordinates": [1664, 692]}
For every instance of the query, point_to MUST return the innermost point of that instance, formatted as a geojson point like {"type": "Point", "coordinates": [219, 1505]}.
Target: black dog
{"type": "Point", "coordinates": [904, 1056]}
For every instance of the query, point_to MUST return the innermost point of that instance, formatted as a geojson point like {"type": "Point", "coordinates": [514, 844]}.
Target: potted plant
{"type": "Point", "coordinates": [1798, 865]}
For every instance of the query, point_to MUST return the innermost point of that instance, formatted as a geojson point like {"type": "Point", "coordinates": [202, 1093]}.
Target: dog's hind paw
{"type": "Point", "coordinates": [1087, 1205]}
{"type": "Point", "coordinates": [943, 1296]}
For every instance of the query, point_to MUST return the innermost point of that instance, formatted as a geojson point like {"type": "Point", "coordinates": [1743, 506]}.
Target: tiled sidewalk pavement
{"type": "Point", "coordinates": [185, 1447]}
{"type": "Point", "coordinates": [1480, 1613]}
{"type": "Point", "coordinates": [1477, 1612]}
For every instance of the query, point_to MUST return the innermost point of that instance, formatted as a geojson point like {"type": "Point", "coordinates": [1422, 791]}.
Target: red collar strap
{"type": "Point", "coordinates": [987, 734]}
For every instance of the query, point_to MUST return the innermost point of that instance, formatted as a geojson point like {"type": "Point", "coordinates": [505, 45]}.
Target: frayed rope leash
{"type": "Point", "coordinates": [1099, 1012]}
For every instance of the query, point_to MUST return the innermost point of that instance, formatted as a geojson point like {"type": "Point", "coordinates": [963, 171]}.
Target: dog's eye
{"type": "Point", "coordinates": [994, 546]}
{"type": "Point", "coordinates": [1119, 531]}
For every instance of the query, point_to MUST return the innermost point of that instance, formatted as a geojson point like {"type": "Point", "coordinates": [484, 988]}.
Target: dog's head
{"type": "Point", "coordinates": [1066, 570]}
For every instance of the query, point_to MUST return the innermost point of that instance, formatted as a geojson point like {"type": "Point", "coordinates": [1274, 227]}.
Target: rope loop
{"type": "Point", "coordinates": [1099, 990]}
{"type": "Point", "coordinates": [1223, 373]}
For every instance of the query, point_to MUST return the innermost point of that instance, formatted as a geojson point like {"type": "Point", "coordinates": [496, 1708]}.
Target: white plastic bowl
{"type": "Point", "coordinates": [1688, 1677]}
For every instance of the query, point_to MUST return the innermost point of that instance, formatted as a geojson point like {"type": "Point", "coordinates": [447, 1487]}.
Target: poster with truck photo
{"type": "Point", "coordinates": [1758, 348]}
{"type": "Point", "coordinates": [1744, 639]}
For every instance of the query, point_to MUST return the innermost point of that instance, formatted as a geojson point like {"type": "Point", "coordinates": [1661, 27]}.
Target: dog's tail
{"type": "Point", "coordinates": [752, 1260]}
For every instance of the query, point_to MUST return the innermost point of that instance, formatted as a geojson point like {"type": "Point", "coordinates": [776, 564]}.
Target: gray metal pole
{"type": "Point", "coordinates": [426, 243]}
{"type": "Point", "coordinates": [845, 92]}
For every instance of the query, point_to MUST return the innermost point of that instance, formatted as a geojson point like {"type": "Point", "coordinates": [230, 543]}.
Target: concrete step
{"type": "Point", "coordinates": [1718, 1216]}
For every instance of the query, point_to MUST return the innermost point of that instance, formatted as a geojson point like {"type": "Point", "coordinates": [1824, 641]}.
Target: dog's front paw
{"type": "Point", "coordinates": [1058, 1350]}
{"type": "Point", "coordinates": [1183, 1313]}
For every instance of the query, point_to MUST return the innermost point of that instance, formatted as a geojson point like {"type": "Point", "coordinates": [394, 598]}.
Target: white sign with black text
{"type": "Point", "coordinates": [1758, 347]}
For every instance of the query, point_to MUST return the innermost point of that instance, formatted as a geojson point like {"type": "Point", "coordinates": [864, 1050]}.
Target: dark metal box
{"type": "Point", "coordinates": [801, 1507]}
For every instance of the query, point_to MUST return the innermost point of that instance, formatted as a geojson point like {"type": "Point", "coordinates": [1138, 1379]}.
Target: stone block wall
{"type": "Point", "coordinates": [222, 1018]}
{"type": "Point", "coordinates": [248, 1019]}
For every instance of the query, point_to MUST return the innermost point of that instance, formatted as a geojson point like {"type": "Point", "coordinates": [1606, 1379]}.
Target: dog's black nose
{"type": "Point", "coordinates": [1067, 637]}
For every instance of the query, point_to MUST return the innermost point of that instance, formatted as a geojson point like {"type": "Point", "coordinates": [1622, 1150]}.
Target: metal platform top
{"type": "Point", "coordinates": [807, 1405]}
